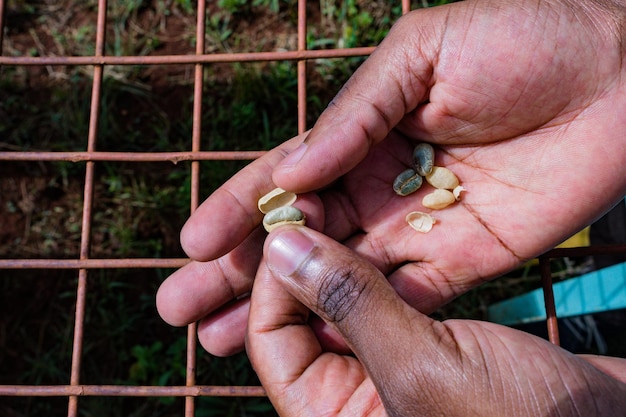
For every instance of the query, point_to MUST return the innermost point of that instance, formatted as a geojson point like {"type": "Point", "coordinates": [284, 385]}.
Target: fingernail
{"type": "Point", "coordinates": [294, 157]}
{"type": "Point", "coordinates": [288, 251]}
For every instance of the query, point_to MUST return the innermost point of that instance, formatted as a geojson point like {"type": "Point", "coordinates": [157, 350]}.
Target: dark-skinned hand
{"type": "Point", "coordinates": [524, 101]}
{"type": "Point", "coordinates": [404, 363]}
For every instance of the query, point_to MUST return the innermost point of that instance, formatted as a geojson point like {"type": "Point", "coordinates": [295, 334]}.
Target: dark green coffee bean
{"type": "Point", "coordinates": [423, 159]}
{"type": "Point", "coordinates": [283, 215]}
{"type": "Point", "coordinates": [407, 182]}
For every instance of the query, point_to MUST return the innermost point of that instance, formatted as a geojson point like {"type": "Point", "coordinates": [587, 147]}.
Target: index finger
{"type": "Point", "coordinates": [290, 361]}
{"type": "Point", "coordinates": [230, 214]}
{"type": "Point", "coordinates": [391, 83]}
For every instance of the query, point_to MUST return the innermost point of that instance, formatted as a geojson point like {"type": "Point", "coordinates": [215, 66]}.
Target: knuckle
{"type": "Point", "coordinates": [340, 292]}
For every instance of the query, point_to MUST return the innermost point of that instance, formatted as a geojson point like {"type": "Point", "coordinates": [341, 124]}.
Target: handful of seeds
{"type": "Point", "coordinates": [447, 186]}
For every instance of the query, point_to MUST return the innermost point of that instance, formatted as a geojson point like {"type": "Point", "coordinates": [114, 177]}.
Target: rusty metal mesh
{"type": "Point", "coordinates": [91, 156]}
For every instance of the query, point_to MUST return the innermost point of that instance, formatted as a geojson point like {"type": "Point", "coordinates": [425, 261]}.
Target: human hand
{"type": "Point", "coordinates": [406, 364]}
{"type": "Point", "coordinates": [525, 102]}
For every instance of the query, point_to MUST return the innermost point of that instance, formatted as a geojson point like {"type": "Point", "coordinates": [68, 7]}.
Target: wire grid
{"type": "Point", "coordinates": [91, 156]}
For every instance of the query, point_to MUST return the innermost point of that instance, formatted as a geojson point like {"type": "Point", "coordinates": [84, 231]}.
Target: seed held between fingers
{"type": "Point", "coordinates": [281, 216]}
{"type": "Point", "coordinates": [276, 198]}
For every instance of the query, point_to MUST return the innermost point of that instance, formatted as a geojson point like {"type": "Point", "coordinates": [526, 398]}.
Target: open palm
{"type": "Point", "coordinates": [523, 103]}
{"type": "Point", "coordinates": [523, 196]}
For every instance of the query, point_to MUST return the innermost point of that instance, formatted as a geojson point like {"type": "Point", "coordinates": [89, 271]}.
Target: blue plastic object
{"type": "Point", "coordinates": [594, 292]}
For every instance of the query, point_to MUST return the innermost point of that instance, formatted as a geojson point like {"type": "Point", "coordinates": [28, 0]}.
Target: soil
{"type": "Point", "coordinates": [26, 199]}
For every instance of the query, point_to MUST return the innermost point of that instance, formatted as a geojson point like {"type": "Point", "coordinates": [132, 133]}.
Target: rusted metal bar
{"type": "Point", "coordinates": [196, 137]}
{"type": "Point", "coordinates": [187, 59]}
{"type": "Point", "coordinates": [301, 69]}
{"type": "Point", "coordinates": [77, 344]}
{"type": "Point", "coordinates": [116, 263]}
{"type": "Point", "coordinates": [548, 297]}
{"type": "Point", "coordinates": [130, 391]}
{"type": "Point", "coordinates": [546, 278]}
{"type": "Point", "coordinates": [85, 240]}
{"type": "Point", "coordinates": [174, 157]}
{"type": "Point", "coordinates": [406, 6]}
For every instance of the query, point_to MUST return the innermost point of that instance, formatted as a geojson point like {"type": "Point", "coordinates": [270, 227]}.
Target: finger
{"type": "Point", "coordinates": [392, 82]}
{"type": "Point", "coordinates": [276, 315]}
{"type": "Point", "coordinates": [223, 332]}
{"type": "Point", "coordinates": [199, 288]}
{"type": "Point", "coordinates": [230, 214]}
{"type": "Point", "coordinates": [364, 199]}
{"type": "Point", "coordinates": [349, 293]}
{"type": "Point", "coordinates": [329, 338]}
{"type": "Point", "coordinates": [429, 270]}
{"type": "Point", "coordinates": [343, 289]}
{"type": "Point", "coordinates": [211, 291]}
{"type": "Point", "coordinates": [355, 298]}
{"type": "Point", "coordinates": [289, 359]}
{"type": "Point", "coordinates": [615, 367]}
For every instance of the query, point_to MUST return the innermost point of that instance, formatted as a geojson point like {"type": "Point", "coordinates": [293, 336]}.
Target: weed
{"type": "Point", "coordinates": [233, 6]}
{"type": "Point", "coordinates": [255, 111]}
{"type": "Point", "coordinates": [186, 5]}
{"type": "Point", "coordinates": [148, 367]}
{"type": "Point", "coordinates": [245, 6]}
{"type": "Point", "coordinates": [347, 24]}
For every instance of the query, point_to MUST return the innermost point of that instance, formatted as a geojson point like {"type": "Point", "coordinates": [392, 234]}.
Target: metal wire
{"type": "Point", "coordinates": [91, 156]}
{"type": "Point", "coordinates": [188, 59]}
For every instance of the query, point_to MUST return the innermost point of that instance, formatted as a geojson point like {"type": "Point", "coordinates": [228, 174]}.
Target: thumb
{"type": "Point", "coordinates": [392, 82]}
{"type": "Point", "coordinates": [356, 300]}
{"type": "Point", "coordinates": [420, 366]}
